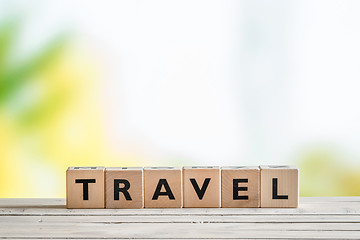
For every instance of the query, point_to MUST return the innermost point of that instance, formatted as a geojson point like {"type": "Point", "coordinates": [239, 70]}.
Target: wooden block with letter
{"type": "Point", "coordinates": [85, 187]}
{"type": "Point", "coordinates": [202, 187]}
{"type": "Point", "coordinates": [124, 187]}
{"type": "Point", "coordinates": [279, 186]}
{"type": "Point", "coordinates": [163, 187]}
{"type": "Point", "coordinates": [240, 187]}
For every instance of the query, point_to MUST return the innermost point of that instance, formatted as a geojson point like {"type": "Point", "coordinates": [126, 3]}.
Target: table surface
{"type": "Point", "coordinates": [316, 217]}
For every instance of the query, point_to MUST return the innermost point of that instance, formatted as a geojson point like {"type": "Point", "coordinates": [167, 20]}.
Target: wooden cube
{"type": "Point", "coordinates": [279, 186]}
{"type": "Point", "coordinates": [124, 187]}
{"type": "Point", "coordinates": [240, 187]}
{"type": "Point", "coordinates": [202, 187]}
{"type": "Point", "coordinates": [163, 187]}
{"type": "Point", "coordinates": [85, 187]}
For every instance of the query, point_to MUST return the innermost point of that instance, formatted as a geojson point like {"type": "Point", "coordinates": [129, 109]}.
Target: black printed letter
{"type": "Point", "coordinates": [236, 189]}
{"type": "Point", "coordinates": [157, 193]}
{"type": "Point", "coordinates": [275, 190]}
{"type": "Point", "coordinates": [124, 189]}
{"type": "Point", "coordinates": [200, 192]}
{"type": "Point", "coordinates": [85, 183]}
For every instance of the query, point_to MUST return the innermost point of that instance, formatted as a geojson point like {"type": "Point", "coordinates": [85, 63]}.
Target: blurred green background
{"type": "Point", "coordinates": [118, 83]}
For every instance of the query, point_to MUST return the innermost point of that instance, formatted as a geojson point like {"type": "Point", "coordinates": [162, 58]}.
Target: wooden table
{"type": "Point", "coordinates": [332, 217]}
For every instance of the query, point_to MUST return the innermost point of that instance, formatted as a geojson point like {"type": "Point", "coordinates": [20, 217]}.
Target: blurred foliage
{"type": "Point", "coordinates": [324, 173]}
{"type": "Point", "coordinates": [50, 119]}
{"type": "Point", "coordinates": [22, 109]}
{"type": "Point", "coordinates": [49, 115]}
{"type": "Point", "coordinates": [13, 79]}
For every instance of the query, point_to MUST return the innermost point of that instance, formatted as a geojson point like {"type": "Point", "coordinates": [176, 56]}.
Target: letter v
{"type": "Point", "coordinates": [200, 192]}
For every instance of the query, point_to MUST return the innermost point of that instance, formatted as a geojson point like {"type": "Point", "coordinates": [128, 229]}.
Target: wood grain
{"type": "Point", "coordinates": [279, 186]}
{"type": "Point", "coordinates": [250, 194]}
{"type": "Point", "coordinates": [93, 196]}
{"type": "Point", "coordinates": [319, 218]}
{"type": "Point", "coordinates": [134, 178]}
{"type": "Point", "coordinates": [198, 176]}
{"type": "Point", "coordinates": [172, 177]}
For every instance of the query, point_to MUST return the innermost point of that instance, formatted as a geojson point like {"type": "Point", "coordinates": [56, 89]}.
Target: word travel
{"type": "Point", "coordinates": [188, 187]}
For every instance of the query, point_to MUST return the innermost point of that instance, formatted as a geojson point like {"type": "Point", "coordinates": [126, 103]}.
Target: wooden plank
{"type": "Point", "coordinates": [284, 226]}
{"type": "Point", "coordinates": [184, 219]}
{"type": "Point", "coordinates": [180, 231]}
{"type": "Point", "coordinates": [321, 218]}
